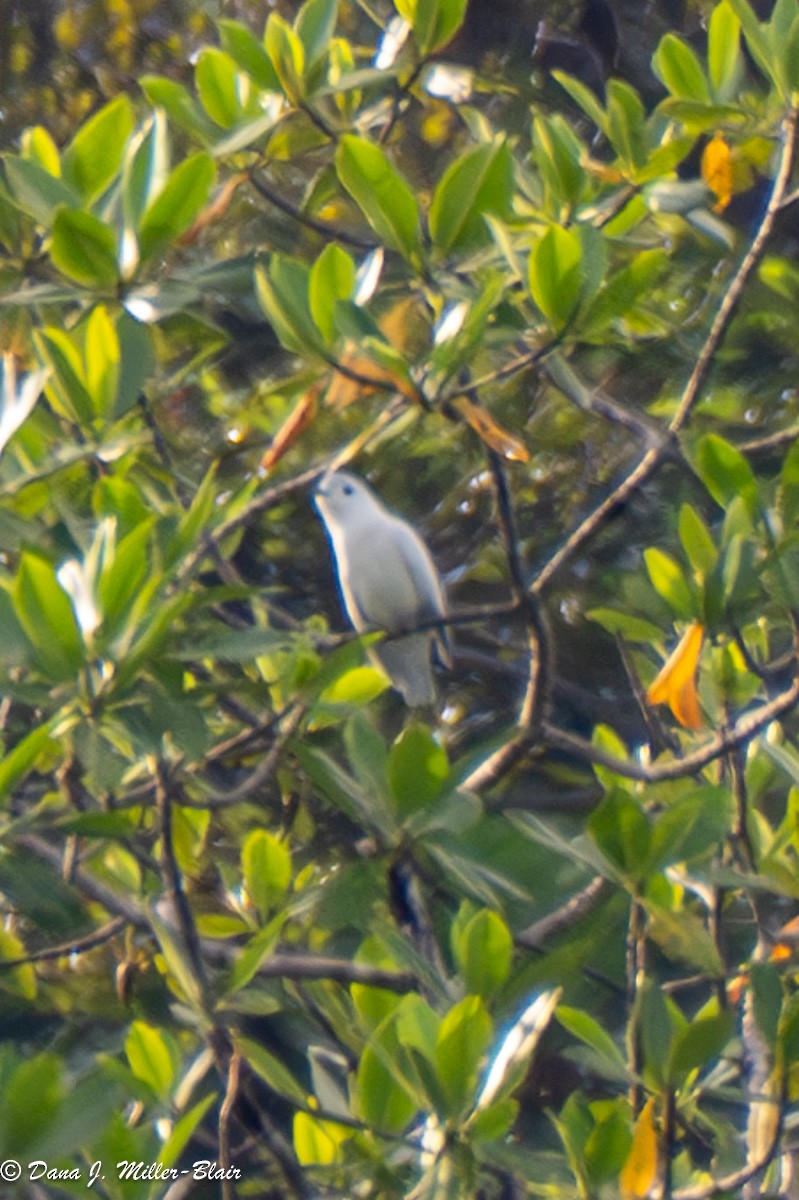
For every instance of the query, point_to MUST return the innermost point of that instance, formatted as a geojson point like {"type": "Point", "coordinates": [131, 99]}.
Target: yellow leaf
{"type": "Point", "coordinates": [639, 1173]}
{"type": "Point", "coordinates": [487, 429]}
{"type": "Point", "coordinates": [717, 171]}
{"type": "Point", "coordinates": [676, 683]}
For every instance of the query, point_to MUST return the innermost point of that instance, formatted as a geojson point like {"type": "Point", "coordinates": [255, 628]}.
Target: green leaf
{"type": "Point", "coordinates": [217, 86]}
{"type": "Point", "coordinates": [46, 615]}
{"type": "Point", "coordinates": [183, 1130]}
{"type": "Point", "coordinates": [20, 980]}
{"type": "Point", "coordinates": [282, 291]}
{"type": "Point", "coordinates": [417, 1025]}
{"type": "Point", "coordinates": [34, 190]}
{"type": "Point", "coordinates": [479, 182]}
{"type": "Point", "coordinates": [178, 103]}
{"type": "Point", "coordinates": [102, 354]}
{"type": "Point", "coordinates": [315, 26]}
{"type": "Point", "coordinates": [697, 542]}
{"type": "Point", "coordinates": [357, 687]}
{"type": "Point", "coordinates": [94, 155]}
{"type": "Point", "coordinates": [434, 22]}
{"type": "Point", "coordinates": [382, 1101]}
{"type": "Point", "coordinates": [177, 205]}
{"type": "Point", "coordinates": [658, 1021]}
{"type": "Point", "coordinates": [153, 1057]}
{"type": "Point", "coordinates": [723, 50]}
{"type": "Point", "coordinates": [625, 122]}
{"type": "Point", "coordinates": [266, 868]}
{"type": "Point", "coordinates": [463, 1038]}
{"type": "Point", "coordinates": [789, 486]}
{"type": "Point", "coordinates": [287, 53]}
{"type": "Point", "coordinates": [274, 1072]}
{"type": "Point", "coordinates": [676, 65]}
{"type": "Point", "coordinates": [144, 174]}
{"type": "Point", "coordinates": [558, 153]}
{"type": "Point", "coordinates": [368, 757]}
{"type": "Point", "coordinates": [683, 938]}
{"type": "Point", "coordinates": [38, 146]}
{"type": "Point", "coordinates": [84, 249]}
{"type": "Point", "coordinates": [622, 292]}
{"type": "Point", "coordinates": [332, 279]}
{"type": "Point", "coordinates": [248, 54]}
{"type": "Point", "coordinates": [417, 769]}
{"type": "Point", "coordinates": [621, 831]}
{"type": "Point", "coordinates": [17, 763]}
{"type": "Point", "coordinates": [669, 582]}
{"type": "Point", "coordinates": [755, 35]}
{"type": "Point", "coordinates": [556, 273]}
{"type": "Point", "coordinates": [789, 1029]}
{"type": "Point", "coordinates": [318, 1142]}
{"type": "Point", "coordinates": [67, 387]}
{"type": "Point", "coordinates": [725, 473]}
{"type": "Point", "coordinates": [255, 953]}
{"type": "Point", "coordinates": [584, 97]}
{"type": "Point", "coordinates": [32, 1098]}
{"type": "Point", "coordinates": [137, 362]}
{"type": "Point", "coordinates": [483, 952]}
{"type": "Point", "coordinates": [698, 1043]}
{"type": "Point", "coordinates": [634, 629]}
{"type": "Point", "coordinates": [380, 192]}
{"type": "Point", "coordinates": [583, 1026]}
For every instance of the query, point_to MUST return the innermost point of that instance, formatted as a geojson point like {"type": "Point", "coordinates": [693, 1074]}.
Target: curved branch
{"type": "Point", "coordinates": [285, 206]}
{"type": "Point", "coordinates": [75, 946]}
{"type": "Point", "coordinates": [734, 736]}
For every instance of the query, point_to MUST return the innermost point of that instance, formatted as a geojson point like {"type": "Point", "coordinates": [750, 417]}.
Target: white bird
{"type": "Point", "coordinates": [387, 579]}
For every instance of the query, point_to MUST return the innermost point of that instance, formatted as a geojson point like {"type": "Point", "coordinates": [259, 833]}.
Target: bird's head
{"type": "Point", "coordinates": [341, 495]}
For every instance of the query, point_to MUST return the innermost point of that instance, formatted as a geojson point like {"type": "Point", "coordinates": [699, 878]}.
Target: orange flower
{"type": "Point", "coordinates": [676, 683]}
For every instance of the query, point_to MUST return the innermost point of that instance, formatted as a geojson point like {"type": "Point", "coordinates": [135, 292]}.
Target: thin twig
{"type": "Point", "coordinates": [225, 1113]}
{"type": "Point", "coordinates": [265, 769]}
{"type": "Point", "coordinates": [330, 232]}
{"type": "Point", "coordinates": [563, 919]}
{"type": "Point", "coordinates": [679, 768]}
{"type": "Point", "coordinates": [733, 1182]}
{"type": "Point", "coordinates": [76, 946]}
{"type": "Point", "coordinates": [179, 905]}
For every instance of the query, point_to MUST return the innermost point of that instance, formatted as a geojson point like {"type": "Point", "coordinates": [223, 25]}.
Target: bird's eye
{"type": "Point", "coordinates": [348, 489]}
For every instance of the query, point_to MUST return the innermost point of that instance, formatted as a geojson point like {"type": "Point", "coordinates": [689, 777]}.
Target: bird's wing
{"type": "Point", "coordinates": [426, 581]}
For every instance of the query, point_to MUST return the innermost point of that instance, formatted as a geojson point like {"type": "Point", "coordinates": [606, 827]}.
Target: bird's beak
{"type": "Point", "coordinates": [320, 483]}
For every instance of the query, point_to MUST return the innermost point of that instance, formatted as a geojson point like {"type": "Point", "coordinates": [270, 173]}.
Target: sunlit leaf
{"type": "Point", "coordinates": [381, 193]}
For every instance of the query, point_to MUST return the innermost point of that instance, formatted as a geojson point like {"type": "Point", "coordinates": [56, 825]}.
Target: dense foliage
{"type": "Point", "coordinates": [256, 912]}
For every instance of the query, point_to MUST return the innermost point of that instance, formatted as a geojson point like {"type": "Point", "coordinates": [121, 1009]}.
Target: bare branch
{"type": "Point", "coordinates": [563, 919]}
{"type": "Point", "coordinates": [288, 725]}
{"type": "Point", "coordinates": [329, 232]}
{"type": "Point", "coordinates": [679, 768]}
{"type": "Point", "coordinates": [225, 1113]}
{"type": "Point", "coordinates": [179, 906]}
{"type": "Point", "coordinates": [75, 946]}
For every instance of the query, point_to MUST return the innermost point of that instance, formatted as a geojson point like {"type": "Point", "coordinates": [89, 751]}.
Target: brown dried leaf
{"type": "Point", "coordinates": [490, 431]}
{"type": "Point", "coordinates": [294, 425]}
